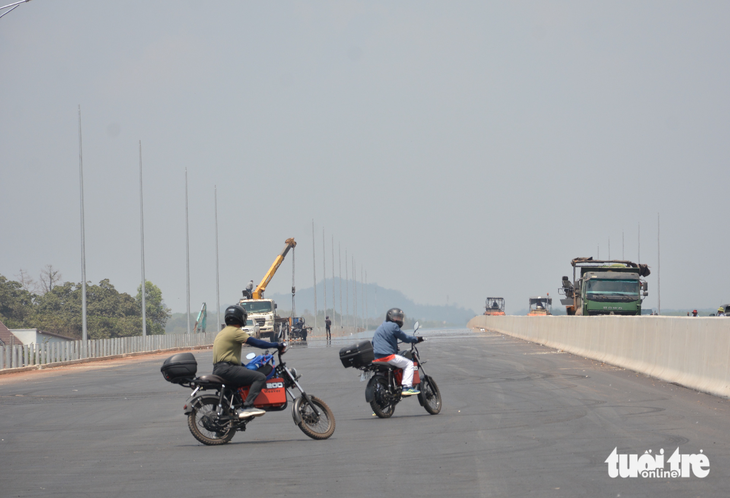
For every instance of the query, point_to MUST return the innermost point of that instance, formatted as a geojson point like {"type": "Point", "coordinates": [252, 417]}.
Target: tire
{"type": "Point", "coordinates": [380, 405]}
{"type": "Point", "coordinates": [202, 425]}
{"type": "Point", "coordinates": [430, 396]}
{"type": "Point", "coordinates": [321, 428]}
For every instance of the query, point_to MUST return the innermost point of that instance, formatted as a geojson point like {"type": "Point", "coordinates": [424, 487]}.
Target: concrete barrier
{"type": "Point", "coordinates": [693, 352]}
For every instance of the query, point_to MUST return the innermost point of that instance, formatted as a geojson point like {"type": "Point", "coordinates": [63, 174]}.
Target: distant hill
{"type": "Point", "coordinates": [379, 300]}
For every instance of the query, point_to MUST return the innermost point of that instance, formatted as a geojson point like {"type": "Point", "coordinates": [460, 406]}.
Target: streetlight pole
{"type": "Point", "coordinates": [11, 7]}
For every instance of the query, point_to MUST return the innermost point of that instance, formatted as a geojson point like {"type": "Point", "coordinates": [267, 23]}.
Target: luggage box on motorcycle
{"type": "Point", "coordinates": [358, 355]}
{"type": "Point", "coordinates": [179, 368]}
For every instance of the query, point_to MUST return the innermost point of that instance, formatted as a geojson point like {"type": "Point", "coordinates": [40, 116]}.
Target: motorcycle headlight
{"type": "Point", "coordinates": [294, 373]}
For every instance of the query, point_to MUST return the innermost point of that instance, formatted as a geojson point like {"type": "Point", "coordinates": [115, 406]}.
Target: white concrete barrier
{"type": "Point", "coordinates": [693, 352]}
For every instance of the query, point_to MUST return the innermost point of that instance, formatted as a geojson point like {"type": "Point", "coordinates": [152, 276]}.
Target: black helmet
{"type": "Point", "coordinates": [236, 315]}
{"type": "Point", "coordinates": [395, 315]}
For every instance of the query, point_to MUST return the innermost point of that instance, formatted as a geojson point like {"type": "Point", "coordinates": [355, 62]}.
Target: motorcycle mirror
{"type": "Point", "coordinates": [416, 326]}
{"type": "Point", "coordinates": [250, 356]}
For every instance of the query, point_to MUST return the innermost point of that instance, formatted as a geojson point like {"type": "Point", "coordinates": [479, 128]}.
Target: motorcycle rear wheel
{"type": "Point", "coordinates": [430, 396]}
{"type": "Point", "coordinates": [203, 425]}
{"type": "Point", "coordinates": [316, 427]}
{"type": "Point", "coordinates": [381, 407]}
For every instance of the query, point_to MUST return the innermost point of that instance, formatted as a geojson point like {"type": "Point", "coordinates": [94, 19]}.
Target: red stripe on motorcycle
{"type": "Point", "coordinates": [385, 359]}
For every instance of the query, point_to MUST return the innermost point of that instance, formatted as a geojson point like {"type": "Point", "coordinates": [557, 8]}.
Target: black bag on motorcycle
{"type": "Point", "coordinates": [179, 368]}
{"type": "Point", "coordinates": [358, 355]}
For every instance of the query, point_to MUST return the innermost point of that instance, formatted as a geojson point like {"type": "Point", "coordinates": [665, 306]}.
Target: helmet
{"type": "Point", "coordinates": [236, 315]}
{"type": "Point", "coordinates": [395, 315]}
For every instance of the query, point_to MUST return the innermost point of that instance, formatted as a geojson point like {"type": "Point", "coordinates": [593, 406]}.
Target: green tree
{"type": "Point", "coordinates": [157, 313]}
{"type": "Point", "coordinates": [16, 303]}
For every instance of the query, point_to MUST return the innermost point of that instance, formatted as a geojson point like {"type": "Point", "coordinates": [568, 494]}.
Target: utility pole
{"type": "Point", "coordinates": [324, 274]}
{"type": "Point", "coordinates": [354, 294]}
{"type": "Point", "coordinates": [334, 307]}
{"type": "Point", "coordinates": [314, 269]}
{"type": "Point", "coordinates": [217, 270]}
{"type": "Point", "coordinates": [339, 262]}
{"type": "Point", "coordinates": [187, 249]}
{"type": "Point", "coordinates": [84, 334]}
{"type": "Point", "coordinates": [658, 268]}
{"type": "Point", "coordinates": [141, 228]}
{"type": "Point", "coordinates": [347, 285]}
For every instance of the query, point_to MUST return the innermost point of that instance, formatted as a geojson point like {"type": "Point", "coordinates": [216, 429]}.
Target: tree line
{"type": "Point", "coordinates": [51, 305]}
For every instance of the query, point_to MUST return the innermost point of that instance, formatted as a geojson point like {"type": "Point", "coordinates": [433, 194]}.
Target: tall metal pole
{"type": "Point", "coordinates": [314, 269]}
{"type": "Point", "coordinates": [84, 335]}
{"type": "Point", "coordinates": [217, 270]}
{"type": "Point", "coordinates": [187, 249]}
{"type": "Point", "coordinates": [293, 285]}
{"type": "Point", "coordinates": [324, 273]}
{"type": "Point", "coordinates": [638, 258]}
{"type": "Point", "coordinates": [366, 300]}
{"type": "Point", "coordinates": [354, 294]}
{"type": "Point", "coordinates": [347, 286]}
{"type": "Point", "coordinates": [334, 307]}
{"type": "Point", "coordinates": [658, 268]}
{"type": "Point", "coordinates": [339, 262]}
{"type": "Point", "coordinates": [141, 229]}
{"type": "Point", "coordinates": [609, 248]}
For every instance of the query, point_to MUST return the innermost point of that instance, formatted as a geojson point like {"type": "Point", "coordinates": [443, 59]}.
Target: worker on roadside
{"type": "Point", "coordinates": [694, 312]}
{"type": "Point", "coordinates": [328, 327]}
{"type": "Point", "coordinates": [385, 347]}
{"type": "Point", "coordinates": [227, 359]}
{"type": "Point", "coordinates": [720, 311]}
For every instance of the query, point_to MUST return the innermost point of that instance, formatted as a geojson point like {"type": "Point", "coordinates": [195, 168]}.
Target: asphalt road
{"type": "Point", "coordinates": [519, 420]}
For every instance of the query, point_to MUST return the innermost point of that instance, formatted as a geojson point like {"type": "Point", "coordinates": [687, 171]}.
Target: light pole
{"type": "Point", "coordinates": [11, 7]}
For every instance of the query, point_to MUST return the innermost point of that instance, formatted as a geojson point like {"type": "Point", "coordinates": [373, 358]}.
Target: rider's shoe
{"type": "Point", "coordinates": [409, 391]}
{"type": "Point", "coordinates": [250, 412]}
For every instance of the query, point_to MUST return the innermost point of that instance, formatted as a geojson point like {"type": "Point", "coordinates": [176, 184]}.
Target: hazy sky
{"type": "Point", "coordinates": [457, 150]}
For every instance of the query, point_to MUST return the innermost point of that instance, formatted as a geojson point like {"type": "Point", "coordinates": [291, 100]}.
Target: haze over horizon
{"type": "Point", "coordinates": [456, 150]}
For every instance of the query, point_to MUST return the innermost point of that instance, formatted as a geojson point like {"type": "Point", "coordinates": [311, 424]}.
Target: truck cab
{"type": "Point", "coordinates": [262, 312]}
{"type": "Point", "coordinates": [605, 288]}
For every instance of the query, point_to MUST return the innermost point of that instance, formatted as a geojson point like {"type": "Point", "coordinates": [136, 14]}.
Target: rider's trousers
{"type": "Point", "coordinates": [407, 366]}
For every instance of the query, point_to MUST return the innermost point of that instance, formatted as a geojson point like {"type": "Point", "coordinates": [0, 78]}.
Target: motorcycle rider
{"type": "Point", "coordinates": [227, 358]}
{"type": "Point", "coordinates": [385, 347]}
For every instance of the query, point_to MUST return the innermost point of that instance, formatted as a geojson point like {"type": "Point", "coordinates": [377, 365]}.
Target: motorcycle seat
{"type": "Point", "coordinates": [209, 380]}
{"type": "Point", "coordinates": [381, 365]}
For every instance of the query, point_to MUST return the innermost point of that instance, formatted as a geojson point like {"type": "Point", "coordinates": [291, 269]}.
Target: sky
{"type": "Point", "coordinates": [454, 150]}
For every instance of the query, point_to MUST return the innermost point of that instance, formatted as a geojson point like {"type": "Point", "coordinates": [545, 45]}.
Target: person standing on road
{"type": "Point", "coordinates": [720, 311]}
{"type": "Point", "coordinates": [227, 359]}
{"type": "Point", "coordinates": [328, 325]}
{"type": "Point", "coordinates": [385, 347]}
{"type": "Point", "coordinates": [694, 312]}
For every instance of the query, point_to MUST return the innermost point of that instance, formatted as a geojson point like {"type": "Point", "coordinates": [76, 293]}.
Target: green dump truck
{"type": "Point", "coordinates": [610, 287]}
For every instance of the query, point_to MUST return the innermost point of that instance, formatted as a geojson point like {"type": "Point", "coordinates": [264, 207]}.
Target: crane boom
{"type": "Point", "coordinates": [258, 292]}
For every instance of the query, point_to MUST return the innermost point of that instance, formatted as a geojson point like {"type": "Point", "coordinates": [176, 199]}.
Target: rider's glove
{"type": "Point", "coordinates": [281, 346]}
{"type": "Point", "coordinates": [420, 338]}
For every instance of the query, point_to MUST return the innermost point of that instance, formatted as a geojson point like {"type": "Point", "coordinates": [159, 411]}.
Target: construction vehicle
{"type": "Point", "coordinates": [202, 320]}
{"type": "Point", "coordinates": [263, 311]}
{"type": "Point", "coordinates": [494, 306]}
{"type": "Point", "coordinates": [540, 306]}
{"type": "Point", "coordinates": [605, 287]}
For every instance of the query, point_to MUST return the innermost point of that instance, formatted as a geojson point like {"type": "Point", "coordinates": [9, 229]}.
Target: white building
{"type": "Point", "coordinates": [35, 336]}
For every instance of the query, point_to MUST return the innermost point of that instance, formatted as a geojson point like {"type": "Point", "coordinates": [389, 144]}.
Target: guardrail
{"type": "Point", "coordinates": [29, 355]}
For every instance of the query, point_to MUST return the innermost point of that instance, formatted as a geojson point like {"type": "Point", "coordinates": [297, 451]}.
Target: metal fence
{"type": "Point", "coordinates": [56, 352]}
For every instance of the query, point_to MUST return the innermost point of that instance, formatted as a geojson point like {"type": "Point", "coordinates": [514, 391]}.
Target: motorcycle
{"type": "Point", "coordinates": [212, 406]}
{"type": "Point", "coordinates": [383, 390]}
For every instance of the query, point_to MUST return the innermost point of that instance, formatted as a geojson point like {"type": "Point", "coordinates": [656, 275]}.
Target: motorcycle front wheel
{"type": "Point", "coordinates": [381, 406]}
{"type": "Point", "coordinates": [430, 396]}
{"type": "Point", "coordinates": [205, 427]}
{"type": "Point", "coordinates": [316, 426]}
